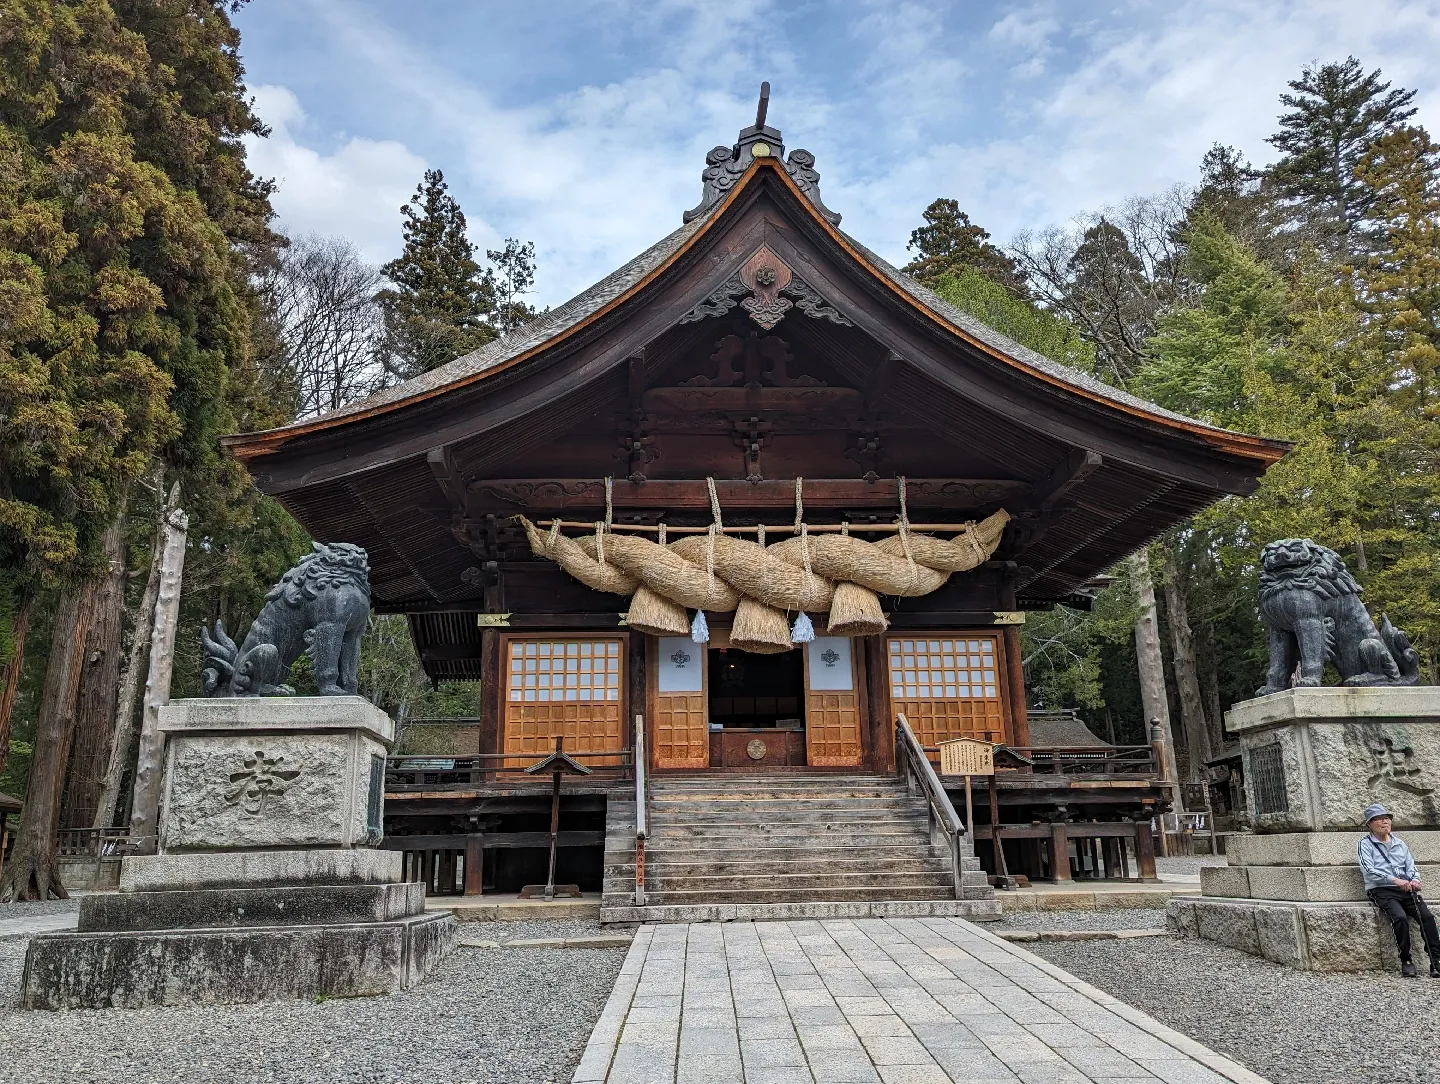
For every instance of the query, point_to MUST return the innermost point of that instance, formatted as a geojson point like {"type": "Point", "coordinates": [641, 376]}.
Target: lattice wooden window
{"type": "Point", "coordinates": [564, 687]}
{"type": "Point", "coordinates": [948, 686]}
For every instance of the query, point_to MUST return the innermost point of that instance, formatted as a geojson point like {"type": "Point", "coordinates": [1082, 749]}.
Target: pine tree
{"type": "Point", "coordinates": [1336, 112]}
{"type": "Point", "coordinates": [512, 271]}
{"type": "Point", "coordinates": [438, 307]}
{"type": "Point", "coordinates": [949, 242]}
{"type": "Point", "coordinates": [1400, 283]}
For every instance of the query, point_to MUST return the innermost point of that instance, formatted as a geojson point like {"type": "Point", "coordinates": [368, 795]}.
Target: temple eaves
{"type": "Point", "coordinates": [726, 165]}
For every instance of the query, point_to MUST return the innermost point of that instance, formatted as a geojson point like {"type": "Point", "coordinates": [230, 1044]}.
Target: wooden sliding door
{"type": "Point", "coordinates": [564, 686]}
{"type": "Point", "coordinates": [682, 720]}
{"type": "Point", "coordinates": [832, 704]}
{"type": "Point", "coordinates": [949, 685]}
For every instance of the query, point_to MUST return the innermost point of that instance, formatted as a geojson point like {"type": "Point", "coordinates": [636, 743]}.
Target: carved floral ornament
{"type": "Point", "coordinates": [766, 288]}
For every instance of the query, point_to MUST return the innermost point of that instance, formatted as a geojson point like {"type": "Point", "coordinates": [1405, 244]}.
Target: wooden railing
{"type": "Point", "coordinates": [427, 772]}
{"type": "Point", "coordinates": [95, 843]}
{"type": "Point", "coordinates": [920, 776]}
{"type": "Point", "coordinates": [642, 810]}
{"type": "Point", "coordinates": [1089, 760]}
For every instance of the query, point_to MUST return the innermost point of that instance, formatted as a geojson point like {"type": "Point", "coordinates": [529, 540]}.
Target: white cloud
{"type": "Point", "coordinates": [355, 191]}
{"type": "Point", "coordinates": [1046, 112]}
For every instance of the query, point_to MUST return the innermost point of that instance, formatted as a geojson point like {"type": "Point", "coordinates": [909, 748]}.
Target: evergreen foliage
{"type": "Point", "coordinates": [974, 292]}
{"type": "Point", "coordinates": [439, 305]}
{"type": "Point", "coordinates": [1336, 112]}
{"type": "Point", "coordinates": [949, 243]}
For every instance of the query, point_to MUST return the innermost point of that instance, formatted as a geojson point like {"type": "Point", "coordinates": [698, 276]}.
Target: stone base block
{"type": "Point", "coordinates": [234, 907]}
{"type": "Point", "coordinates": [257, 869]}
{"type": "Point", "coordinates": [1308, 936]}
{"type": "Point", "coordinates": [137, 969]}
{"type": "Point", "coordinates": [1319, 848]}
{"type": "Point", "coordinates": [1301, 884]}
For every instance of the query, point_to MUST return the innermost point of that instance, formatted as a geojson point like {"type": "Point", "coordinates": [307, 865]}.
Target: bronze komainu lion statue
{"type": "Point", "coordinates": [320, 606]}
{"type": "Point", "coordinates": [1311, 607]}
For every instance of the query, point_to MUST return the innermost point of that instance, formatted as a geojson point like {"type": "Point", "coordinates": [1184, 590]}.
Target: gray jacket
{"type": "Point", "coordinates": [1379, 862]}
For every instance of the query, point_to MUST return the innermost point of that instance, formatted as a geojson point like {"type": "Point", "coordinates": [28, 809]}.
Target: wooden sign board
{"type": "Point", "coordinates": [967, 756]}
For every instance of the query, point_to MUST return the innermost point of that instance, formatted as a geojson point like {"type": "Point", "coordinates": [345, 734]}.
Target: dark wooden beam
{"type": "Point", "coordinates": [1069, 473]}
{"type": "Point", "coordinates": [565, 494]}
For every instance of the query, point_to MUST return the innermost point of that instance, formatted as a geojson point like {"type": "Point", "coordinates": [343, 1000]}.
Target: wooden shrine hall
{"type": "Point", "coordinates": [756, 368]}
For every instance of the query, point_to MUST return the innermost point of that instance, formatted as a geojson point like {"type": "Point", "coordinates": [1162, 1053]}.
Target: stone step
{"type": "Point", "coordinates": [760, 818]}
{"type": "Point", "coordinates": [800, 806]}
{"type": "Point", "coordinates": [987, 910]}
{"type": "Point", "coordinates": [919, 891]}
{"type": "Point", "coordinates": [741, 867]}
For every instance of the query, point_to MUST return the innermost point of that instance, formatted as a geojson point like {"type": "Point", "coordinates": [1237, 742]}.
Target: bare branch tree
{"type": "Point", "coordinates": [320, 297]}
{"type": "Point", "coordinates": [1112, 273]}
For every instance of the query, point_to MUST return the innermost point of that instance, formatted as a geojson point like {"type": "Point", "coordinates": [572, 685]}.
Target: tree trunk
{"type": "Point", "coordinates": [1213, 715]}
{"type": "Point", "coordinates": [1150, 663]}
{"type": "Point", "coordinates": [1187, 675]}
{"type": "Point", "coordinates": [128, 701]}
{"type": "Point", "coordinates": [145, 805]}
{"type": "Point", "coordinates": [33, 872]}
{"type": "Point", "coordinates": [99, 680]}
{"type": "Point", "coordinates": [10, 676]}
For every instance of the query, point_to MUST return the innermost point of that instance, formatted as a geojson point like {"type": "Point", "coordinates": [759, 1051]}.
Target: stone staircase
{"type": "Point", "coordinates": [725, 847]}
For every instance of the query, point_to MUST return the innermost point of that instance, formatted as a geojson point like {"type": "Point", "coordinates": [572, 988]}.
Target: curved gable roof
{"type": "Point", "coordinates": [631, 280]}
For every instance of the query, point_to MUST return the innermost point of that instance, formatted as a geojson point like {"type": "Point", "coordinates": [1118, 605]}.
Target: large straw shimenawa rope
{"type": "Point", "coordinates": [837, 573]}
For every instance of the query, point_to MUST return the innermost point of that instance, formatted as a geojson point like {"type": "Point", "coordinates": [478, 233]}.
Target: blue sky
{"type": "Point", "coordinates": [582, 125]}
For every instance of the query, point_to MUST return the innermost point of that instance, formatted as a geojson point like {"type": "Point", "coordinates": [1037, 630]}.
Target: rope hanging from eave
{"type": "Point", "coordinates": [721, 573]}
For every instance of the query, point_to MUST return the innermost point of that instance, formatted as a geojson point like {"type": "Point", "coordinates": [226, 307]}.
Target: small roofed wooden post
{"type": "Point", "coordinates": [557, 764]}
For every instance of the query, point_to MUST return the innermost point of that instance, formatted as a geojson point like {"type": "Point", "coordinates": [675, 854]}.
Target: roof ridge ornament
{"type": "Point", "coordinates": [726, 165]}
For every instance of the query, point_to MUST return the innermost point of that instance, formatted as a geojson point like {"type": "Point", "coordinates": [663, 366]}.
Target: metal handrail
{"type": "Point", "coordinates": [642, 812]}
{"type": "Point", "coordinates": [918, 769]}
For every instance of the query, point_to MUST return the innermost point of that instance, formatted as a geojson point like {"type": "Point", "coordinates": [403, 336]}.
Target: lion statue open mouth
{"type": "Point", "coordinates": [1312, 610]}
{"type": "Point", "coordinates": [320, 606]}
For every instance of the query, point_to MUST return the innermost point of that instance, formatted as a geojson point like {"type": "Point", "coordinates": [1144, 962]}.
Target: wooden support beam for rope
{"type": "Point", "coordinates": [538, 497]}
{"type": "Point", "coordinates": [770, 528]}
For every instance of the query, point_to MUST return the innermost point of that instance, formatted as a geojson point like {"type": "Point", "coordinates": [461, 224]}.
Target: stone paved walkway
{"type": "Point", "coordinates": [899, 1001]}
{"type": "Point", "coordinates": [29, 926]}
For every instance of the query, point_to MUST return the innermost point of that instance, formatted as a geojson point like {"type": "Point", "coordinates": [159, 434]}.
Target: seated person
{"type": "Point", "coordinates": [1393, 884]}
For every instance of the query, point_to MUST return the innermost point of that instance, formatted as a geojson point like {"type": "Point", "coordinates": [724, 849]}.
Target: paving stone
{"type": "Point", "coordinates": [936, 1000]}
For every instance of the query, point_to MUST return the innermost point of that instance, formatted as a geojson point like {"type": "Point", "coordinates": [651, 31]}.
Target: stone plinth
{"type": "Point", "coordinates": [243, 773]}
{"type": "Point", "coordinates": [267, 886]}
{"type": "Point", "coordinates": [1314, 758]}
{"type": "Point", "coordinates": [1308, 936]}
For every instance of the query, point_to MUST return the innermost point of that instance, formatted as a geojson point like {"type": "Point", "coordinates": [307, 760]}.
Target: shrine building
{"type": "Point", "coordinates": [757, 368]}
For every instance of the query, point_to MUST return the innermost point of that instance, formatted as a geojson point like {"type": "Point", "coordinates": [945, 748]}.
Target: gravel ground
{"type": "Point", "coordinates": [1119, 918]}
{"type": "Point", "coordinates": [486, 1016]}
{"type": "Point", "coordinates": [1292, 1027]}
{"type": "Point", "coordinates": [558, 927]}
{"type": "Point", "coordinates": [30, 910]}
{"type": "Point", "coordinates": [1187, 865]}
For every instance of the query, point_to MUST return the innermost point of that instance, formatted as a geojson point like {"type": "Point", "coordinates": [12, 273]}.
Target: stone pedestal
{"type": "Point", "coordinates": [222, 914]}
{"type": "Point", "coordinates": [1314, 759]}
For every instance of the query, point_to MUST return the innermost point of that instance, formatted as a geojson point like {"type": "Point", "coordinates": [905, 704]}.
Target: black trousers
{"type": "Point", "coordinates": [1400, 907]}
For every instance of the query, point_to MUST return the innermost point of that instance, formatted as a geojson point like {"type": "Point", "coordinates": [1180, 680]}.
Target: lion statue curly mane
{"type": "Point", "coordinates": [1312, 611]}
{"type": "Point", "coordinates": [320, 606]}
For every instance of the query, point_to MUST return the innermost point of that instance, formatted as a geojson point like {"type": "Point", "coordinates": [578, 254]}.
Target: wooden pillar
{"type": "Point", "coordinates": [1145, 851]}
{"type": "Point", "coordinates": [1059, 852]}
{"type": "Point", "coordinates": [474, 864]}
{"type": "Point", "coordinates": [1015, 683]}
{"type": "Point", "coordinates": [882, 715]}
{"type": "Point", "coordinates": [492, 690]}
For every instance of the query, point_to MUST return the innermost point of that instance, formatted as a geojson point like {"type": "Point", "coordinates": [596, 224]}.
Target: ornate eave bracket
{"type": "Point", "coordinates": [766, 289]}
